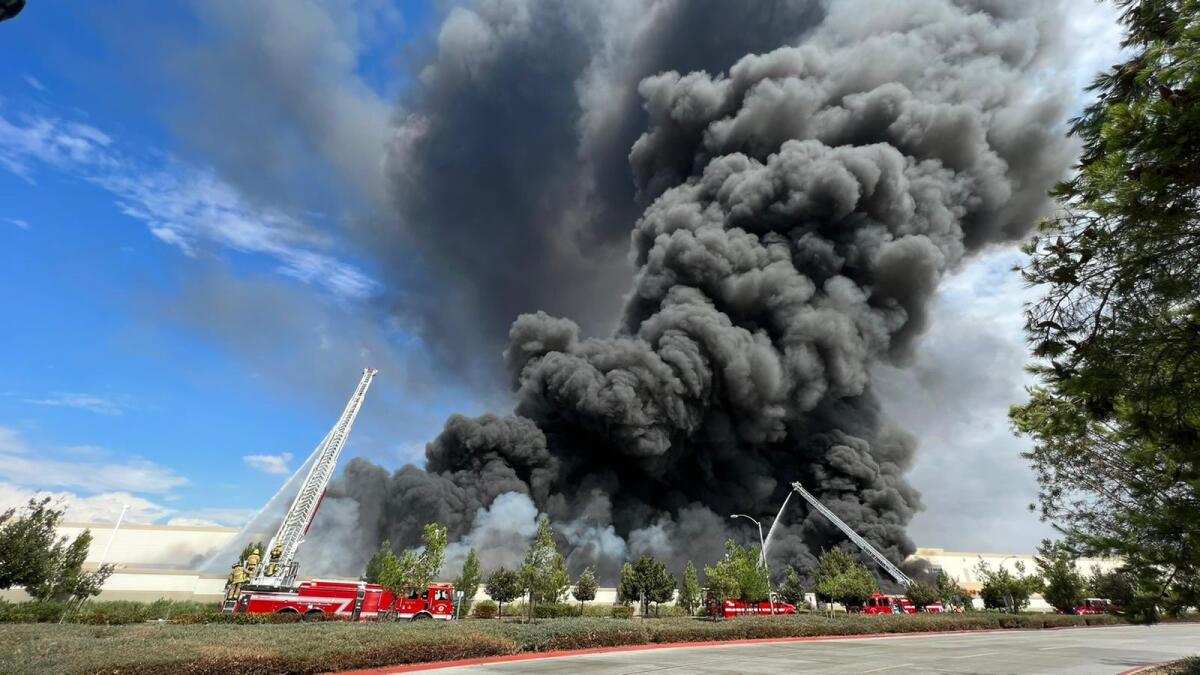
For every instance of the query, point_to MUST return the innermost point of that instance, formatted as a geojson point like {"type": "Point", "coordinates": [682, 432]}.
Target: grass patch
{"type": "Point", "coordinates": [223, 649]}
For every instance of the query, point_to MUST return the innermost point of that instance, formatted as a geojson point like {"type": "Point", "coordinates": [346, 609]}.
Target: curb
{"type": "Point", "coordinates": [531, 656]}
{"type": "Point", "coordinates": [1145, 668]}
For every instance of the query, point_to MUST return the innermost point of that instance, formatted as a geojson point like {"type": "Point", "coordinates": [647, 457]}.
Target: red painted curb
{"type": "Point", "coordinates": [1142, 669]}
{"type": "Point", "coordinates": [529, 656]}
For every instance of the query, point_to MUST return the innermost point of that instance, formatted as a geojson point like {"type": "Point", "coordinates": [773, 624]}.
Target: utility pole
{"type": "Point", "coordinates": [762, 556]}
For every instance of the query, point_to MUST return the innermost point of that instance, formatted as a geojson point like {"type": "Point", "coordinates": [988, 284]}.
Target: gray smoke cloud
{"type": "Point", "coordinates": [795, 194]}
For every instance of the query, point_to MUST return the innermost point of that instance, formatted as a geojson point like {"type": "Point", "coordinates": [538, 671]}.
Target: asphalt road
{"type": "Point", "coordinates": [1085, 650]}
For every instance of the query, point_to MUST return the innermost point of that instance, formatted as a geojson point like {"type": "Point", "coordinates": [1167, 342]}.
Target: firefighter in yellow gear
{"type": "Point", "coordinates": [252, 561]}
{"type": "Point", "coordinates": [276, 554]}
{"type": "Point", "coordinates": [237, 577]}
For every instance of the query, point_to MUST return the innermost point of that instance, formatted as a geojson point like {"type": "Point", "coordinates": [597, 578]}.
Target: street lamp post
{"type": "Point", "coordinates": [762, 556]}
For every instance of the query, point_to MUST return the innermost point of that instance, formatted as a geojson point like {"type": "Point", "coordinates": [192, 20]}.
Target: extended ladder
{"type": "Point", "coordinates": [300, 516]}
{"type": "Point", "coordinates": [900, 577]}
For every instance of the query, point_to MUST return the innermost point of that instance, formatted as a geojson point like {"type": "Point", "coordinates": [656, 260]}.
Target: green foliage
{"type": "Point", "coordinates": [468, 581]}
{"type": "Point", "coordinates": [921, 594]}
{"type": "Point", "coordinates": [250, 547]}
{"type": "Point", "coordinates": [27, 544]}
{"type": "Point", "coordinates": [792, 590]}
{"type": "Point", "coordinates": [65, 577]}
{"type": "Point", "coordinates": [621, 612]}
{"type": "Point", "coordinates": [504, 585]}
{"type": "Point", "coordinates": [1002, 589]}
{"type": "Point", "coordinates": [339, 646]}
{"type": "Point", "coordinates": [585, 587]}
{"type": "Point", "coordinates": [689, 590]}
{"type": "Point", "coordinates": [413, 570]}
{"type": "Point", "coordinates": [379, 562]}
{"type": "Point", "coordinates": [1115, 419]}
{"type": "Point", "coordinates": [740, 574]}
{"type": "Point", "coordinates": [840, 578]}
{"type": "Point", "coordinates": [950, 593]}
{"type": "Point", "coordinates": [1064, 585]}
{"type": "Point", "coordinates": [485, 609]}
{"type": "Point", "coordinates": [646, 581]}
{"type": "Point", "coordinates": [544, 572]}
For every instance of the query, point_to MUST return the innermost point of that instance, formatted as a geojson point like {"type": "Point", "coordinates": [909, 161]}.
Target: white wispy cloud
{"type": "Point", "coordinates": [182, 205]}
{"type": "Point", "coordinates": [89, 402]}
{"type": "Point", "coordinates": [93, 471]}
{"type": "Point", "coordinates": [34, 82]}
{"type": "Point", "coordinates": [23, 224]}
{"type": "Point", "coordinates": [98, 508]}
{"type": "Point", "coordinates": [270, 463]}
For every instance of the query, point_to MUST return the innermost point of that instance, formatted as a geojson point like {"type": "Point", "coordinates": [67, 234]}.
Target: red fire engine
{"type": "Point", "coordinates": [735, 607]}
{"type": "Point", "coordinates": [271, 586]}
{"type": "Point", "coordinates": [893, 604]}
{"type": "Point", "coordinates": [357, 601]}
{"type": "Point", "coordinates": [1092, 606]}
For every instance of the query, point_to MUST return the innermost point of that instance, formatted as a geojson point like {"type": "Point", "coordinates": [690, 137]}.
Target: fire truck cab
{"type": "Point", "coordinates": [352, 600]}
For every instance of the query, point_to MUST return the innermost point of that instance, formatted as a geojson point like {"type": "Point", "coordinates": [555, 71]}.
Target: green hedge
{"type": "Point", "coordinates": [109, 612]}
{"type": "Point", "coordinates": [216, 649]}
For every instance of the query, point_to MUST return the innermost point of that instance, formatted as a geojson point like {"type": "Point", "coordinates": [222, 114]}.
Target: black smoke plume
{"type": "Point", "coordinates": [798, 179]}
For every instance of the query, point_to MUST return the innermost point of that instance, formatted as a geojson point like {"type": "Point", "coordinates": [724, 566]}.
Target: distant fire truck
{"type": "Point", "coordinates": [1092, 606]}
{"type": "Point", "coordinates": [269, 586]}
{"type": "Point", "coordinates": [356, 601]}
{"type": "Point", "coordinates": [734, 607]}
{"type": "Point", "coordinates": [893, 604]}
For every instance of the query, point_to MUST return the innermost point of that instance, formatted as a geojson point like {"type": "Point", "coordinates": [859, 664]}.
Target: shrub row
{"type": "Point", "coordinates": [108, 612]}
{"type": "Point", "coordinates": [310, 648]}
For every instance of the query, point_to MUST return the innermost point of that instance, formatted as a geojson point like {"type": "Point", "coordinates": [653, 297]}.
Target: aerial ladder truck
{"type": "Point", "coordinates": [269, 586]}
{"type": "Point", "coordinates": [878, 603]}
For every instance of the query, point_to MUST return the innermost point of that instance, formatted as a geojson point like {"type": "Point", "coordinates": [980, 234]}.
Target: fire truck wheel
{"type": "Point", "coordinates": [313, 615]}
{"type": "Point", "coordinates": [421, 616]}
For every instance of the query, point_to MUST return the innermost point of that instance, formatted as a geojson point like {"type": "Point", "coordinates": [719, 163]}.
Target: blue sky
{"type": "Point", "coordinates": [114, 387]}
{"type": "Point", "coordinates": [187, 310]}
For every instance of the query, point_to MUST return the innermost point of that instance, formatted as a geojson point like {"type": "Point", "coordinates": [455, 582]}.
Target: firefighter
{"type": "Point", "coordinates": [252, 561]}
{"type": "Point", "coordinates": [237, 577]}
{"type": "Point", "coordinates": [276, 554]}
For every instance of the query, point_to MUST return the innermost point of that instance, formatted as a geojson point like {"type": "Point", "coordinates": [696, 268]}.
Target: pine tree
{"type": "Point", "coordinates": [792, 589]}
{"type": "Point", "coordinates": [1115, 419]}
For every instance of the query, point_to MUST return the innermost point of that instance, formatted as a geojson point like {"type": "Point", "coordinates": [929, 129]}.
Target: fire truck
{"type": "Point", "coordinates": [1092, 606]}
{"type": "Point", "coordinates": [272, 588]}
{"type": "Point", "coordinates": [733, 607]}
{"type": "Point", "coordinates": [893, 604]}
{"type": "Point", "coordinates": [355, 601]}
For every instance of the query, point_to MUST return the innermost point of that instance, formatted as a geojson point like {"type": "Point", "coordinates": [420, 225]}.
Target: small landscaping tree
{"type": "Point", "coordinates": [841, 578]}
{"type": "Point", "coordinates": [33, 556]}
{"type": "Point", "coordinates": [66, 578]}
{"type": "Point", "coordinates": [646, 581]}
{"type": "Point", "coordinates": [1064, 585]}
{"type": "Point", "coordinates": [468, 582]}
{"type": "Point", "coordinates": [585, 588]}
{"type": "Point", "coordinates": [792, 589]}
{"type": "Point", "coordinates": [414, 570]}
{"type": "Point", "coordinates": [376, 564]}
{"type": "Point", "coordinates": [739, 574]}
{"type": "Point", "coordinates": [504, 585]}
{"type": "Point", "coordinates": [950, 593]}
{"type": "Point", "coordinates": [921, 594]}
{"type": "Point", "coordinates": [544, 572]}
{"type": "Point", "coordinates": [1002, 589]}
{"type": "Point", "coordinates": [689, 589]}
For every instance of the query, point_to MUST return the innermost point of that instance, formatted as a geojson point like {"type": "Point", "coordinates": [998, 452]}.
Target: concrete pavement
{"type": "Point", "coordinates": [1081, 650]}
